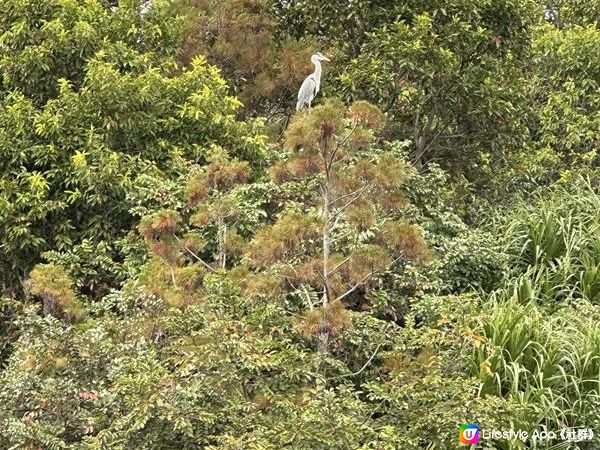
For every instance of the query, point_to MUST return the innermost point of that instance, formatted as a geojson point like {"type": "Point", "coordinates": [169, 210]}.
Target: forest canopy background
{"type": "Point", "coordinates": [188, 263]}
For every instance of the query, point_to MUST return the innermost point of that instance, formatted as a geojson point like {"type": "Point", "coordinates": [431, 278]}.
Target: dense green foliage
{"type": "Point", "coordinates": [188, 263]}
{"type": "Point", "coordinates": [73, 157]}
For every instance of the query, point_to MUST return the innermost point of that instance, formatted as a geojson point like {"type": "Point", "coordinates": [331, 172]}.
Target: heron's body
{"type": "Point", "coordinates": [312, 83]}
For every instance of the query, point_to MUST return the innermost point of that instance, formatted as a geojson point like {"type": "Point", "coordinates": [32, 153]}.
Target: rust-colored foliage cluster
{"type": "Point", "coordinates": [179, 261]}
{"type": "Point", "coordinates": [265, 284]}
{"type": "Point", "coordinates": [210, 213]}
{"type": "Point", "coordinates": [315, 129]}
{"type": "Point", "coordinates": [158, 230]}
{"type": "Point", "coordinates": [367, 115]}
{"type": "Point", "coordinates": [177, 283]}
{"type": "Point", "coordinates": [53, 284]}
{"type": "Point", "coordinates": [361, 216]}
{"type": "Point", "coordinates": [284, 239]}
{"type": "Point", "coordinates": [238, 37]}
{"type": "Point", "coordinates": [296, 168]}
{"type": "Point", "coordinates": [189, 278]}
{"type": "Point", "coordinates": [166, 274]}
{"type": "Point", "coordinates": [220, 175]}
{"type": "Point", "coordinates": [323, 324]}
{"type": "Point", "coordinates": [163, 222]}
{"type": "Point", "coordinates": [405, 239]}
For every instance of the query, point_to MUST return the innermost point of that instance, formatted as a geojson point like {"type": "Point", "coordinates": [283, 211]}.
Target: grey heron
{"type": "Point", "coordinates": [311, 83]}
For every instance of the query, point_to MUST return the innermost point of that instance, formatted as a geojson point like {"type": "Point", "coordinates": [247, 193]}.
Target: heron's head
{"type": "Point", "coordinates": [319, 57]}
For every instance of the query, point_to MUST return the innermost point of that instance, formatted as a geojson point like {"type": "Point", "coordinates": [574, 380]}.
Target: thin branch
{"type": "Point", "coordinates": [351, 290]}
{"type": "Point", "coordinates": [363, 279]}
{"type": "Point", "coordinates": [310, 303]}
{"type": "Point", "coordinates": [358, 193]}
{"type": "Point", "coordinates": [342, 263]}
{"type": "Point", "coordinates": [348, 195]}
{"type": "Point", "coordinates": [204, 263]}
{"type": "Point", "coordinates": [421, 152]}
{"type": "Point", "coordinates": [342, 142]}
{"type": "Point", "coordinates": [290, 283]}
{"type": "Point", "coordinates": [173, 276]}
{"type": "Point", "coordinates": [321, 275]}
{"type": "Point", "coordinates": [363, 367]}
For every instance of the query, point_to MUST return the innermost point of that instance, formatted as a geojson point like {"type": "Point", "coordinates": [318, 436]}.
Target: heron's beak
{"type": "Point", "coordinates": [324, 58]}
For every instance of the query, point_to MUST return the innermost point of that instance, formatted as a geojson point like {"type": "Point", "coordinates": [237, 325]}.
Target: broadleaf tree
{"type": "Point", "coordinates": [75, 145]}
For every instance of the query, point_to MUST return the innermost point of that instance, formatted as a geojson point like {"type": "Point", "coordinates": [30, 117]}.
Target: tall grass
{"type": "Point", "coordinates": [550, 362]}
{"type": "Point", "coordinates": [541, 330]}
{"type": "Point", "coordinates": [554, 244]}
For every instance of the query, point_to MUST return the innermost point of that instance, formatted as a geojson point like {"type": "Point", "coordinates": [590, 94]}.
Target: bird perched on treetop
{"type": "Point", "coordinates": [311, 83]}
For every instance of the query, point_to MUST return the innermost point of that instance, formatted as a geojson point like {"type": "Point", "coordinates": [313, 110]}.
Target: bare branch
{"type": "Point", "coordinates": [342, 142]}
{"type": "Point", "coordinates": [341, 197]}
{"type": "Point", "coordinates": [204, 263]}
{"type": "Point", "coordinates": [342, 263]}
{"type": "Point", "coordinates": [358, 193]}
{"type": "Point", "coordinates": [308, 300]}
{"type": "Point", "coordinates": [351, 290]}
{"type": "Point", "coordinates": [365, 365]}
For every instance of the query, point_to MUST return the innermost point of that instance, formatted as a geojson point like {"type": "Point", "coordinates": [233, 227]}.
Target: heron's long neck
{"type": "Point", "coordinates": [317, 74]}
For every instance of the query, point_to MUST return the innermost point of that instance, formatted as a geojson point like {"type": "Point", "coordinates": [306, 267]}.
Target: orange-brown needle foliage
{"type": "Point", "coordinates": [323, 324]}
{"type": "Point", "coordinates": [284, 239]}
{"type": "Point", "coordinates": [163, 222]}
{"type": "Point", "coordinates": [53, 284]}
{"type": "Point", "coordinates": [238, 36]}
{"type": "Point", "coordinates": [220, 175]}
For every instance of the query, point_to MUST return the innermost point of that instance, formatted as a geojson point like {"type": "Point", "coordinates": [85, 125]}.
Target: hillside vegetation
{"type": "Point", "coordinates": [186, 262]}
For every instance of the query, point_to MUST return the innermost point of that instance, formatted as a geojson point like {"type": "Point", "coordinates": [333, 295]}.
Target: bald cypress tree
{"type": "Point", "coordinates": [348, 226]}
{"type": "Point", "coordinates": [185, 249]}
{"type": "Point", "coordinates": [212, 192]}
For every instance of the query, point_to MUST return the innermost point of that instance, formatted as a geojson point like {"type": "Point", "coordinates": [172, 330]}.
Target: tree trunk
{"type": "Point", "coordinates": [324, 331]}
{"type": "Point", "coordinates": [222, 241]}
{"type": "Point", "coordinates": [326, 241]}
{"type": "Point", "coordinates": [323, 337]}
